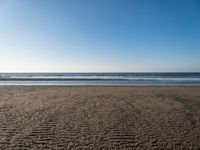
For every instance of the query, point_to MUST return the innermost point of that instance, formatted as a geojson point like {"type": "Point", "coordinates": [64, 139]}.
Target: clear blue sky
{"type": "Point", "coordinates": [99, 35]}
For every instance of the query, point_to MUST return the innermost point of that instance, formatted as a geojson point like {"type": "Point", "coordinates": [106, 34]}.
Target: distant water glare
{"type": "Point", "coordinates": [101, 79]}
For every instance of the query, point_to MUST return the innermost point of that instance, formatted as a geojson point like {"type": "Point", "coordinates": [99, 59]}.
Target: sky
{"type": "Point", "coordinates": [99, 36]}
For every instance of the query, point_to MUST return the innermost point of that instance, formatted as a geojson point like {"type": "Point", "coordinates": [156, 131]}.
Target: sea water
{"type": "Point", "coordinates": [102, 79]}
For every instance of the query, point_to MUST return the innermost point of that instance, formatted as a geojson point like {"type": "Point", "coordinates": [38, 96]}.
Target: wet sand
{"type": "Point", "coordinates": [99, 117]}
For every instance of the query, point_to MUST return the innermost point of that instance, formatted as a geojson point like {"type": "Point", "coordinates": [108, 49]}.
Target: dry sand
{"type": "Point", "coordinates": [99, 117]}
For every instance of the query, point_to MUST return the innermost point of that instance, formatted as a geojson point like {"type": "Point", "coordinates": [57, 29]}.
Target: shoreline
{"type": "Point", "coordinates": [88, 86]}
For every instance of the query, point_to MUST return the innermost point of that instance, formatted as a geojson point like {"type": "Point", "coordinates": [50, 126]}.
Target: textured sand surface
{"type": "Point", "coordinates": [99, 117]}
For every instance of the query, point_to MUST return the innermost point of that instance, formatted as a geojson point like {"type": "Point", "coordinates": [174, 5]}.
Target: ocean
{"type": "Point", "coordinates": [102, 79]}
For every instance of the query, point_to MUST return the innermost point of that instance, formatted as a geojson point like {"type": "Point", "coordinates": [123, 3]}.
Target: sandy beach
{"type": "Point", "coordinates": [99, 117]}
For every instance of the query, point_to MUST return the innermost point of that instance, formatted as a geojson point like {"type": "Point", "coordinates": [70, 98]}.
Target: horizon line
{"type": "Point", "coordinates": [107, 72]}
